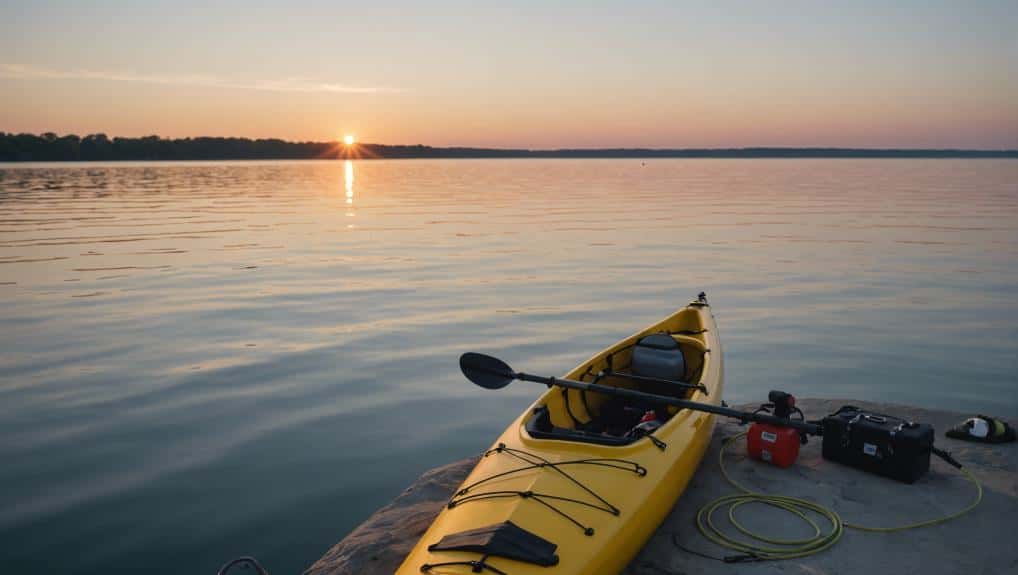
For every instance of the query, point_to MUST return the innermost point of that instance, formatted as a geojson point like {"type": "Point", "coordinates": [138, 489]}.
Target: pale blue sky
{"type": "Point", "coordinates": [539, 74]}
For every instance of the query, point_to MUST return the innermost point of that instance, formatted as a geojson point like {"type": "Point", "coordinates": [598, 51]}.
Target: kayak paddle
{"type": "Point", "coordinates": [493, 373]}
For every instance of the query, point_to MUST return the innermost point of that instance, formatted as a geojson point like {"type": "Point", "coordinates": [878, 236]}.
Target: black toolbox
{"type": "Point", "coordinates": [878, 443]}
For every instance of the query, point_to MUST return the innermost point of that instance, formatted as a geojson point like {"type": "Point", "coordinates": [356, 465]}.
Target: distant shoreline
{"type": "Point", "coordinates": [70, 148]}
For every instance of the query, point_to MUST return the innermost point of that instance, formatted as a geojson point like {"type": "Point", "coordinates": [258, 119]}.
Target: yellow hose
{"type": "Point", "coordinates": [764, 548]}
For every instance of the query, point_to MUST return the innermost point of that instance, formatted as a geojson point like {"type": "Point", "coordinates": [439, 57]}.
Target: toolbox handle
{"type": "Point", "coordinates": [874, 417]}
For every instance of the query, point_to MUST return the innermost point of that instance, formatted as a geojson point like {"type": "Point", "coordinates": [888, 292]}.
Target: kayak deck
{"type": "Point", "coordinates": [550, 483]}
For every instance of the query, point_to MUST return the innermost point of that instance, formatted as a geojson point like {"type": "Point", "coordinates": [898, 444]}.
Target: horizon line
{"type": "Point", "coordinates": [49, 146]}
{"type": "Point", "coordinates": [339, 141]}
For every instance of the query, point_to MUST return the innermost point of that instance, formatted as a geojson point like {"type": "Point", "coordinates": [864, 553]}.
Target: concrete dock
{"type": "Point", "coordinates": [982, 541]}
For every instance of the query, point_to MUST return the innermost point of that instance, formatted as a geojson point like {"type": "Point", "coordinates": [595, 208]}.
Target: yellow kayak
{"type": "Point", "coordinates": [580, 481]}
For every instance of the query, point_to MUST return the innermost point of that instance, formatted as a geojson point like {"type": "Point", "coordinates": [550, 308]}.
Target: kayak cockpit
{"type": "Point", "coordinates": [662, 363]}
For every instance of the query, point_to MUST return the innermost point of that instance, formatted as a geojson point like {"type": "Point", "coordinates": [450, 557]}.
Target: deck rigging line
{"type": "Point", "coordinates": [477, 566]}
{"type": "Point", "coordinates": [534, 461]}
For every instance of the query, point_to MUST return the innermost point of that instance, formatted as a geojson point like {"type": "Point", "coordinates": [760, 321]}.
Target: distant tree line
{"type": "Point", "coordinates": [50, 147]}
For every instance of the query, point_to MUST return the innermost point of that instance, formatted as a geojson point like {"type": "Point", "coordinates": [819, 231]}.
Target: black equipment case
{"type": "Point", "coordinates": [878, 443]}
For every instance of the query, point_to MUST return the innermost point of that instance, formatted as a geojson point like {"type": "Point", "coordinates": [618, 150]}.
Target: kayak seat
{"type": "Point", "coordinates": [660, 357]}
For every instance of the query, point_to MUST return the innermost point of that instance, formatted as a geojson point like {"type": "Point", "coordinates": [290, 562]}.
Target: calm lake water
{"type": "Point", "coordinates": [204, 360]}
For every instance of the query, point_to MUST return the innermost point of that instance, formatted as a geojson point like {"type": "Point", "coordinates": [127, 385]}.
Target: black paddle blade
{"type": "Point", "coordinates": [486, 371]}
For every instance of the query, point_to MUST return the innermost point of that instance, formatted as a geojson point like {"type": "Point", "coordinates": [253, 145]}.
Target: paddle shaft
{"type": "Point", "coordinates": [809, 428]}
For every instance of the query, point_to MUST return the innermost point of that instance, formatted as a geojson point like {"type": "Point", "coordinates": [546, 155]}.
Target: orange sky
{"type": "Point", "coordinates": [521, 74]}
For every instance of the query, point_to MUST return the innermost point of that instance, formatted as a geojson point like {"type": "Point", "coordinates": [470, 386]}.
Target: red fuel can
{"type": "Point", "coordinates": [773, 444]}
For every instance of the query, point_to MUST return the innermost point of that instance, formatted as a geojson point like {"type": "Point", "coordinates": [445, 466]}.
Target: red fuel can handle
{"type": "Point", "coordinates": [773, 444]}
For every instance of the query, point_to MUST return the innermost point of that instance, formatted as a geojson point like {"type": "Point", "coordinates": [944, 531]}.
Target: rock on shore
{"type": "Point", "coordinates": [983, 541]}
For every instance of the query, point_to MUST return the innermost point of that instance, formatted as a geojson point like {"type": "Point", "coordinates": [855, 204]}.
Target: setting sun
{"type": "Point", "coordinates": [348, 140]}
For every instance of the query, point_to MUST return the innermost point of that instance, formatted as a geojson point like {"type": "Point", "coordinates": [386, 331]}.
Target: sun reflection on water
{"type": "Point", "coordinates": [348, 180]}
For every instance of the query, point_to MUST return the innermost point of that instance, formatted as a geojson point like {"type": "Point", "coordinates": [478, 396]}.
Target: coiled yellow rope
{"type": "Point", "coordinates": [763, 548]}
